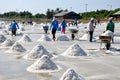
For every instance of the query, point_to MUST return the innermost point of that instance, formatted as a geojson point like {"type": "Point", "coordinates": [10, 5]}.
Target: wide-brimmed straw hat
{"type": "Point", "coordinates": [91, 19]}
{"type": "Point", "coordinates": [110, 19]}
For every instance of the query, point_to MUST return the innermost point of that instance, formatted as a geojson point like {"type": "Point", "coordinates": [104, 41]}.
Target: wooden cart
{"type": "Point", "coordinates": [106, 40]}
{"type": "Point", "coordinates": [73, 31]}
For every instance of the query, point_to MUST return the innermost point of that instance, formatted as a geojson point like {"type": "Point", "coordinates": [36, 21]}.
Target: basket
{"type": "Point", "coordinates": [73, 30]}
{"type": "Point", "coordinates": [45, 29]}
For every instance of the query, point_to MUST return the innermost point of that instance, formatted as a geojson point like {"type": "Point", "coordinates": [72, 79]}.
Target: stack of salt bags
{"type": "Point", "coordinates": [43, 65]}
{"type": "Point", "coordinates": [70, 74]}
{"type": "Point", "coordinates": [74, 51]}
{"type": "Point", "coordinates": [7, 43]}
{"type": "Point", "coordinates": [44, 38]}
{"type": "Point", "coordinates": [37, 52]}
{"type": "Point", "coordinates": [62, 38]}
{"type": "Point", "coordinates": [2, 38]}
{"type": "Point", "coordinates": [16, 48]}
{"type": "Point", "coordinates": [25, 39]}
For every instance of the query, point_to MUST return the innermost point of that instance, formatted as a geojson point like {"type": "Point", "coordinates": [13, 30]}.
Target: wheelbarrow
{"type": "Point", "coordinates": [106, 40]}
{"type": "Point", "coordinates": [73, 31]}
{"type": "Point", "coordinates": [45, 29]}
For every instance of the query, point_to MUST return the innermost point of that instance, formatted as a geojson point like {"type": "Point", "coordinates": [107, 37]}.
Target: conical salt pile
{"type": "Point", "coordinates": [70, 74]}
{"type": "Point", "coordinates": [37, 52]}
{"type": "Point", "coordinates": [44, 38]}
{"type": "Point", "coordinates": [7, 42]}
{"type": "Point", "coordinates": [5, 32]}
{"type": "Point", "coordinates": [74, 50]}
{"type": "Point", "coordinates": [43, 65]}
{"type": "Point", "coordinates": [2, 38]}
{"type": "Point", "coordinates": [21, 28]}
{"type": "Point", "coordinates": [7, 27]}
{"type": "Point", "coordinates": [16, 47]}
{"type": "Point", "coordinates": [25, 38]}
{"type": "Point", "coordinates": [84, 37]}
{"type": "Point", "coordinates": [62, 38]}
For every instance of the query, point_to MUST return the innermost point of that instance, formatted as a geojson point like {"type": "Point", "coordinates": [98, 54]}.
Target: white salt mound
{"type": "Point", "coordinates": [7, 42]}
{"type": "Point", "coordinates": [25, 38]}
{"type": "Point", "coordinates": [7, 27]}
{"type": "Point", "coordinates": [62, 38]}
{"type": "Point", "coordinates": [74, 50]}
{"type": "Point", "coordinates": [84, 37]}
{"type": "Point", "coordinates": [5, 32]}
{"type": "Point", "coordinates": [44, 64]}
{"type": "Point", "coordinates": [44, 38]}
{"type": "Point", "coordinates": [2, 38]}
{"type": "Point", "coordinates": [37, 52]}
{"type": "Point", "coordinates": [21, 29]}
{"type": "Point", "coordinates": [17, 47]}
{"type": "Point", "coordinates": [70, 74]}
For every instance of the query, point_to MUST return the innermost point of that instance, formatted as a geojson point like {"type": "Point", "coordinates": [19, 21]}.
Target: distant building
{"type": "Point", "coordinates": [116, 15]}
{"type": "Point", "coordinates": [68, 15]}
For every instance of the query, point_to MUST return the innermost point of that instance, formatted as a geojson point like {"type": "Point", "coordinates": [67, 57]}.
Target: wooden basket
{"type": "Point", "coordinates": [105, 39]}
{"type": "Point", "coordinates": [73, 30]}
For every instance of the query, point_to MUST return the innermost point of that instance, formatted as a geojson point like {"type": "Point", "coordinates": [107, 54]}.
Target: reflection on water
{"type": "Point", "coordinates": [44, 76]}
{"type": "Point", "coordinates": [13, 67]}
{"type": "Point", "coordinates": [13, 38]}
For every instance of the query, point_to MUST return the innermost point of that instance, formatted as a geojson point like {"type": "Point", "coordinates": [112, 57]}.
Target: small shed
{"type": "Point", "coordinates": [68, 15]}
{"type": "Point", "coordinates": [116, 15]}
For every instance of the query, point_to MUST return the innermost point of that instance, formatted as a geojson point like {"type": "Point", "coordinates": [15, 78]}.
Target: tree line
{"type": "Point", "coordinates": [50, 13]}
{"type": "Point", "coordinates": [26, 14]}
{"type": "Point", "coordinates": [99, 13]}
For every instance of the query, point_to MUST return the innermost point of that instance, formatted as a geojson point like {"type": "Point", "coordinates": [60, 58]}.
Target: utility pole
{"type": "Point", "coordinates": [86, 10]}
{"type": "Point", "coordinates": [86, 7]}
{"type": "Point", "coordinates": [70, 8]}
{"type": "Point", "coordinates": [110, 6]}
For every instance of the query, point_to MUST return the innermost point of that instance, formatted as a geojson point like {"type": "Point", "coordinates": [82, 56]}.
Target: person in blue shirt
{"type": "Point", "coordinates": [13, 27]}
{"type": "Point", "coordinates": [54, 27]}
{"type": "Point", "coordinates": [63, 26]}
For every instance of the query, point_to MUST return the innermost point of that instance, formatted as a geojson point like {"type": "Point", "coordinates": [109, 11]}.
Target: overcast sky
{"type": "Point", "coordinates": [41, 6]}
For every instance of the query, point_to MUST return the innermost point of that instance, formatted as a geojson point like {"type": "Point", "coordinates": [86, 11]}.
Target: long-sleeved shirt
{"type": "Point", "coordinates": [63, 24]}
{"type": "Point", "coordinates": [54, 24]}
{"type": "Point", "coordinates": [91, 26]}
{"type": "Point", "coordinates": [13, 25]}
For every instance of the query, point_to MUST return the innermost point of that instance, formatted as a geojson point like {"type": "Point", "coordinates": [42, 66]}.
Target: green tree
{"type": "Point", "coordinates": [38, 15]}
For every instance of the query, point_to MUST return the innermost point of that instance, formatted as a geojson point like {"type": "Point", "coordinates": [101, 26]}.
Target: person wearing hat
{"type": "Point", "coordinates": [90, 28]}
{"type": "Point", "coordinates": [54, 27]}
{"type": "Point", "coordinates": [110, 26]}
{"type": "Point", "coordinates": [63, 25]}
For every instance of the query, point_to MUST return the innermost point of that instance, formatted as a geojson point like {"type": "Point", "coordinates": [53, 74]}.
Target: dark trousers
{"type": "Point", "coordinates": [91, 35]}
{"type": "Point", "coordinates": [53, 33]}
{"type": "Point", "coordinates": [14, 32]}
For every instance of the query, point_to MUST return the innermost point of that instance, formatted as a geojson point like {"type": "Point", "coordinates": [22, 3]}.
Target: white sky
{"type": "Point", "coordinates": [41, 6]}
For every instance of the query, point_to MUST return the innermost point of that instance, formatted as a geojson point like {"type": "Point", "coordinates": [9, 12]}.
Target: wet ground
{"type": "Point", "coordinates": [96, 66]}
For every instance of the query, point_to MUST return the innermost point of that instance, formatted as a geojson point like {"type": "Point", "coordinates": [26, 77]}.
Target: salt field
{"type": "Point", "coordinates": [78, 59]}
